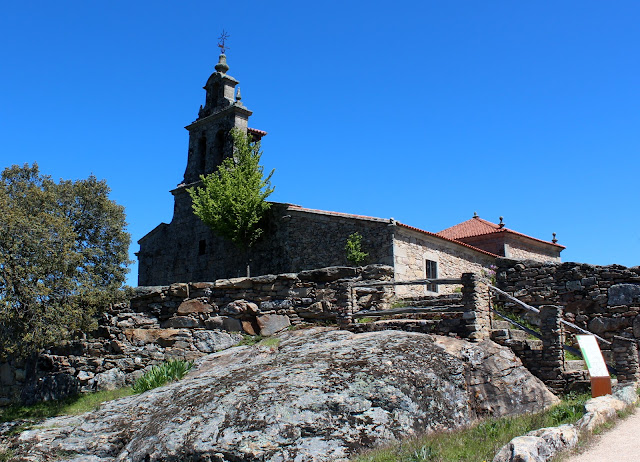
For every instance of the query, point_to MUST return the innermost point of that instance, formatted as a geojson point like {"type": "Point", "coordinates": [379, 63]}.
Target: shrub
{"type": "Point", "coordinates": [353, 247]}
{"type": "Point", "coordinates": [161, 374]}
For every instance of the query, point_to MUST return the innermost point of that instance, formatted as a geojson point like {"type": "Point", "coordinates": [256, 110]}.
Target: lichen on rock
{"type": "Point", "coordinates": [322, 395]}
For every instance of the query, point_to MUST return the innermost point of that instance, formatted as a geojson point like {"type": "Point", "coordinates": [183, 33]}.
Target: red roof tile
{"type": "Point", "coordinates": [476, 226]}
{"type": "Point", "coordinates": [255, 131]}
{"type": "Point", "coordinates": [473, 227]}
{"type": "Point", "coordinates": [447, 239]}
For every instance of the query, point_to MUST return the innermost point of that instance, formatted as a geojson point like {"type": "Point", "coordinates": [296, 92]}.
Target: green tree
{"type": "Point", "coordinates": [353, 247]}
{"type": "Point", "coordinates": [232, 200]}
{"type": "Point", "coordinates": [63, 256]}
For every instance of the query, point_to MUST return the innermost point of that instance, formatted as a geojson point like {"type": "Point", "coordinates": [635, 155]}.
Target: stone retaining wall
{"type": "Point", "coordinates": [604, 300]}
{"type": "Point", "coordinates": [186, 321]}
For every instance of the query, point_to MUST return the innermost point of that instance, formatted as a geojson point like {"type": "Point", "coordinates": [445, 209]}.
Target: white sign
{"type": "Point", "coordinates": [592, 356]}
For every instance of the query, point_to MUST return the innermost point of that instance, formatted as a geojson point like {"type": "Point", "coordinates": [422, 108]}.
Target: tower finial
{"type": "Point", "coordinates": [475, 214]}
{"type": "Point", "coordinates": [554, 240]}
{"type": "Point", "coordinates": [501, 224]}
{"type": "Point", "coordinates": [221, 42]}
{"type": "Point", "coordinates": [238, 95]}
{"type": "Point", "coordinates": [222, 66]}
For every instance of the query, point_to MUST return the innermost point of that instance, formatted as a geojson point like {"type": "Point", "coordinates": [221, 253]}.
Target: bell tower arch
{"type": "Point", "coordinates": [209, 139]}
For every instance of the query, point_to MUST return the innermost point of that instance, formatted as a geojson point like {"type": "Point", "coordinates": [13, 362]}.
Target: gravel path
{"type": "Point", "coordinates": [620, 444]}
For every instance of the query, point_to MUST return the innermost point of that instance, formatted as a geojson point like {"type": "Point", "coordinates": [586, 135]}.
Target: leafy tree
{"type": "Point", "coordinates": [355, 255]}
{"type": "Point", "coordinates": [232, 200]}
{"type": "Point", "coordinates": [63, 255]}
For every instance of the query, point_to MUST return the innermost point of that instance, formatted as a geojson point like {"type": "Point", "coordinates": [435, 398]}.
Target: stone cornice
{"type": "Point", "coordinates": [235, 107]}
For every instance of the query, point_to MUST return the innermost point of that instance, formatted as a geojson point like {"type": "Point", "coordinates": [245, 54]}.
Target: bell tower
{"type": "Point", "coordinates": [209, 138]}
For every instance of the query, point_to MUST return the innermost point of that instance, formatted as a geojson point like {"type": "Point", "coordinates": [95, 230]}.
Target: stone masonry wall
{"type": "Point", "coordinates": [185, 321]}
{"type": "Point", "coordinates": [295, 240]}
{"type": "Point", "coordinates": [412, 249]}
{"type": "Point", "coordinates": [602, 299]}
{"type": "Point", "coordinates": [520, 250]}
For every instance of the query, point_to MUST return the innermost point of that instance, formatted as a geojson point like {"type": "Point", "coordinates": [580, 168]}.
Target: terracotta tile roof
{"type": "Point", "coordinates": [446, 239]}
{"type": "Point", "coordinates": [255, 131]}
{"type": "Point", "coordinates": [476, 226]}
{"type": "Point", "coordinates": [473, 227]}
{"type": "Point", "coordinates": [388, 220]}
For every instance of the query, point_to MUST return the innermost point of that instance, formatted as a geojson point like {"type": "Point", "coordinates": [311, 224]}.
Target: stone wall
{"type": "Point", "coordinates": [295, 239]}
{"type": "Point", "coordinates": [412, 249]}
{"type": "Point", "coordinates": [185, 321]}
{"type": "Point", "coordinates": [520, 249]}
{"type": "Point", "coordinates": [602, 299]}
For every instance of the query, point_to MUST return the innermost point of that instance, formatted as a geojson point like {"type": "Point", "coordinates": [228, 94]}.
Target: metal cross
{"type": "Point", "coordinates": [221, 41]}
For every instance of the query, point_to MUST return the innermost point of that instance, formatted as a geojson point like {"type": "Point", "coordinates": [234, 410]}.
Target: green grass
{"type": "Point", "coordinates": [364, 319]}
{"type": "Point", "coordinates": [480, 442]}
{"type": "Point", "coordinates": [162, 374]}
{"type": "Point", "coordinates": [70, 406]}
{"type": "Point", "coordinates": [250, 339]}
{"type": "Point", "coordinates": [271, 342]}
{"type": "Point", "coordinates": [568, 356]}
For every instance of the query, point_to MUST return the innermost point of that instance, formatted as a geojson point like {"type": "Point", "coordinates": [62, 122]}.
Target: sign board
{"type": "Point", "coordinates": [600, 379]}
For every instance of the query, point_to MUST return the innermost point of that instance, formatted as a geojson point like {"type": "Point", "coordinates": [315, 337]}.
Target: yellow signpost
{"type": "Point", "coordinates": [600, 379]}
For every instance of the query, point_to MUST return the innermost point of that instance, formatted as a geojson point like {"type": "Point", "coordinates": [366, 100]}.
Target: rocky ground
{"type": "Point", "coordinates": [317, 394]}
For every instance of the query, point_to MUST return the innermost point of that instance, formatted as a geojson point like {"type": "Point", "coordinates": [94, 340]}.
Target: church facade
{"type": "Point", "coordinates": [298, 238]}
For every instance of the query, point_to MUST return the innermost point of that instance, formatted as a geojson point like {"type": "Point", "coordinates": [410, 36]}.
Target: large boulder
{"type": "Point", "coordinates": [316, 395]}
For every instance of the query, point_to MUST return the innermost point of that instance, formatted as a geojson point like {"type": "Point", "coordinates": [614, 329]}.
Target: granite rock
{"type": "Point", "coordinates": [322, 395]}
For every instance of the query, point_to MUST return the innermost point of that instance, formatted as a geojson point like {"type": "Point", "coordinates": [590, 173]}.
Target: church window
{"type": "Point", "coordinates": [202, 150]}
{"type": "Point", "coordinates": [218, 148]}
{"type": "Point", "coordinates": [432, 273]}
{"type": "Point", "coordinates": [202, 247]}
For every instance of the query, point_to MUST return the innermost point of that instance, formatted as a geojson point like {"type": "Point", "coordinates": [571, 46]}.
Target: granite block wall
{"type": "Point", "coordinates": [295, 240]}
{"type": "Point", "coordinates": [602, 299]}
{"type": "Point", "coordinates": [186, 321]}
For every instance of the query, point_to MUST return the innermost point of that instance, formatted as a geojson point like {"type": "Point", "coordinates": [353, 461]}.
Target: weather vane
{"type": "Point", "coordinates": [221, 41]}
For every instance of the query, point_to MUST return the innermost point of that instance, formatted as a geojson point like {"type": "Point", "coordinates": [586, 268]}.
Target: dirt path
{"type": "Point", "coordinates": [620, 444]}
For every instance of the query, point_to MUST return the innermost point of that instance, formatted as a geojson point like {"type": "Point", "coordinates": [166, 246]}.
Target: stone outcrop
{"type": "Point", "coordinates": [320, 395]}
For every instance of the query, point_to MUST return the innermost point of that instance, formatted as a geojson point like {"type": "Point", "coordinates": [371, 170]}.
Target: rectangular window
{"type": "Point", "coordinates": [432, 273]}
{"type": "Point", "coordinates": [202, 247]}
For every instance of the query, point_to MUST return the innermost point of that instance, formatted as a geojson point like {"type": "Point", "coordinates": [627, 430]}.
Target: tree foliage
{"type": "Point", "coordinates": [232, 200]}
{"type": "Point", "coordinates": [353, 247]}
{"type": "Point", "coordinates": [63, 254]}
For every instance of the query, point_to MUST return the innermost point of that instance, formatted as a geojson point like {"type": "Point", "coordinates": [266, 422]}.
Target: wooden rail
{"type": "Point", "coordinates": [537, 311]}
{"type": "Point", "coordinates": [407, 283]}
{"type": "Point", "coordinates": [408, 310]}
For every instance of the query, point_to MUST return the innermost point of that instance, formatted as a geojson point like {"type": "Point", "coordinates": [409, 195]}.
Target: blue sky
{"type": "Point", "coordinates": [424, 111]}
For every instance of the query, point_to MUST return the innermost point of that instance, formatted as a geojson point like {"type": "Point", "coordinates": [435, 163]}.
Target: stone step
{"type": "Point", "coordinates": [575, 365]}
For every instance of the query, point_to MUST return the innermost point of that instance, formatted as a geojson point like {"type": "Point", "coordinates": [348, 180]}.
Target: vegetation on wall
{"type": "Point", "coordinates": [63, 255]}
{"type": "Point", "coordinates": [353, 247]}
{"type": "Point", "coordinates": [232, 200]}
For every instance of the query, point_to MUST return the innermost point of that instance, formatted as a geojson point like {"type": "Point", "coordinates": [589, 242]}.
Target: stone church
{"type": "Point", "coordinates": [297, 238]}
